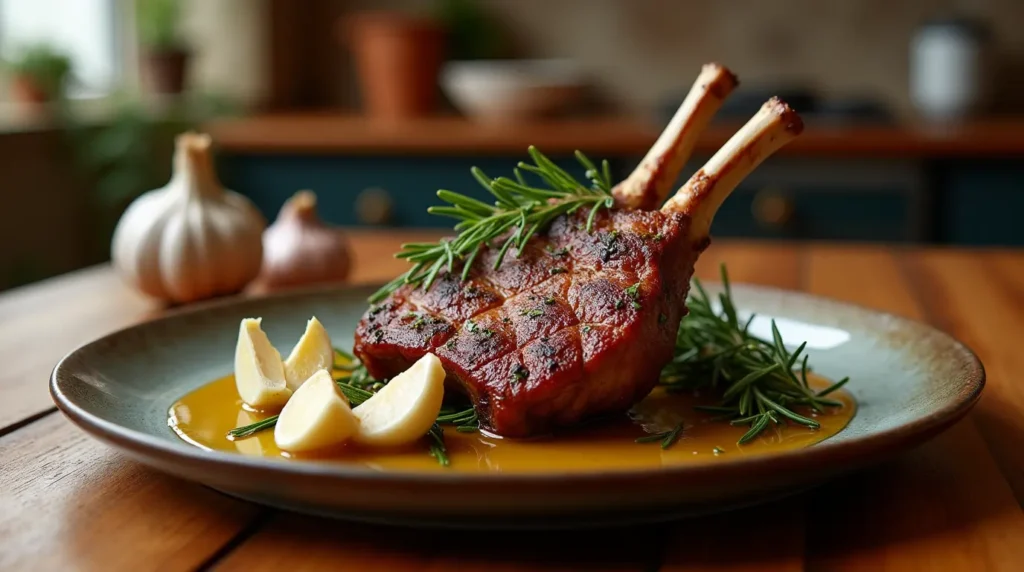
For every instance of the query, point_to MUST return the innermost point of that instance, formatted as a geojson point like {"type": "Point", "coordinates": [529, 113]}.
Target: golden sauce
{"type": "Point", "coordinates": [205, 416]}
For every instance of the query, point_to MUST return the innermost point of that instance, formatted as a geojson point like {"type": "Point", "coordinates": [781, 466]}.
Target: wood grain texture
{"type": "Point", "coordinates": [979, 297]}
{"type": "Point", "coordinates": [943, 506]}
{"type": "Point", "coordinates": [42, 323]}
{"type": "Point", "coordinates": [352, 134]}
{"type": "Point", "coordinates": [329, 545]}
{"type": "Point", "coordinates": [69, 503]}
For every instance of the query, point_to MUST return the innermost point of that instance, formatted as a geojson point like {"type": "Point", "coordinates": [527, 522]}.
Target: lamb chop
{"type": "Point", "coordinates": [581, 322]}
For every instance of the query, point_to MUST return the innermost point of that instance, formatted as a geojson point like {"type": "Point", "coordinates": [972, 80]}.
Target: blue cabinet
{"type": "Point", "coordinates": [981, 202]}
{"type": "Point", "coordinates": [808, 199]}
{"type": "Point", "coordinates": [402, 186]}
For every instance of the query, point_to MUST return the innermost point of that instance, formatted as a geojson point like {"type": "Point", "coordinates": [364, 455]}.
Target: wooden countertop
{"type": "Point", "coordinates": [598, 137]}
{"type": "Point", "coordinates": [68, 502]}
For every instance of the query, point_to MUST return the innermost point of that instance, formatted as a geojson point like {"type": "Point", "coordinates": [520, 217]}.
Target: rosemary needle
{"type": "Point", "coordinates": [666, 438]}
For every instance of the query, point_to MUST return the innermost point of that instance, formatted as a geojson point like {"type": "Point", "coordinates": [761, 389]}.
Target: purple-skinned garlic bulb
{"type": "Point", "coordinates": [299, 249]}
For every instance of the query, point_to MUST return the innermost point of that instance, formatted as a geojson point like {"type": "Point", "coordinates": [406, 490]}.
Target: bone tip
{"type": "Point", "coordinates": [789, 118]}
{"type": "Point", "coordinates": [724, 80]}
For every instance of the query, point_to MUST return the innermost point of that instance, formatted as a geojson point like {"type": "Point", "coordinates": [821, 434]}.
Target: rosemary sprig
{"type": "Point", "coordinates": [667, 438]}
{"type": "Point", "coordinates": [518, 213]}
{"type": "Point", "coordinates": [437, 446]}
{"type": "Point", "coordinates": [760, 380]}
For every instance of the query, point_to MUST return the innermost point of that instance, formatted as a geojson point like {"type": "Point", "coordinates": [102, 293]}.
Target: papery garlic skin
{"type": "Point", "coordinates": [191, 239]}
{"type": "Point", "coordinates": [299, 249]}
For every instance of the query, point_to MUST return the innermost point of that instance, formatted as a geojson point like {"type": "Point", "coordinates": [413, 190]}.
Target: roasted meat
{"type": "Point", "coordinates": [580, 323]}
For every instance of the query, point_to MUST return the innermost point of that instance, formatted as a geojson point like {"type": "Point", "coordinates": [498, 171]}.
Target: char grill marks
{"type": "Point", "coordinates": [536, 343]}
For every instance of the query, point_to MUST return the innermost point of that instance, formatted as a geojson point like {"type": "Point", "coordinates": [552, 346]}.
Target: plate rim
{"type": "Point", "coordinates": [868, 447]}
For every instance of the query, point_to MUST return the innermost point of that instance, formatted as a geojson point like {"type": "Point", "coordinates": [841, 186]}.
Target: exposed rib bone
{"type": "Point", "coordinates": [774, 125]}
{"type": "Point", "coordinates": [649, 184]}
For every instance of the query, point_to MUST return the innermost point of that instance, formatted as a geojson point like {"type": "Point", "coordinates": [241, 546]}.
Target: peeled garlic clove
{"type": "Point", "coordinates": [259, 373]}
{"type": "Point", "coordinates": [404, 409]}
{"type": "Point", "coordinates": [313, 352]}
{"type": "Point", "coordinates": [317, 416]}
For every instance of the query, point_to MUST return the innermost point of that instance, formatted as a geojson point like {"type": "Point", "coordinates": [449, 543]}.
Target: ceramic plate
{"type": "Point", "coordinates": [910, 382]}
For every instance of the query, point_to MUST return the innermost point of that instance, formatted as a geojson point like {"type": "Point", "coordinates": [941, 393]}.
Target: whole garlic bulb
{"type": "Point", "coordinates": [191, 239]}
{"type": "Point", "coordinates": [300, 249]}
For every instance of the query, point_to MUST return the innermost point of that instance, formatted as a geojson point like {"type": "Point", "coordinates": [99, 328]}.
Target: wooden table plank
{"type": "Point", "coordinates": [333, 545]}
{"type": "Point", "coordinates": [945, 505]}
{"type": "Point", "coordinates": [67, 502]}
{"type": "Point", "coordinates": [979, 297]}
{"type": "Point", "coordinates": [42, 323]}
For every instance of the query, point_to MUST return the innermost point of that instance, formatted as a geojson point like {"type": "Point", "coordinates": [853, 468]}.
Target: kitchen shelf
{"type": "Point", "coordinates": [326, 133]}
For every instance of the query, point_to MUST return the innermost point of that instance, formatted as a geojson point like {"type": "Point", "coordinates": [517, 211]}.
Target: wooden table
{"type": "Point", "coordinates": [68, 502]}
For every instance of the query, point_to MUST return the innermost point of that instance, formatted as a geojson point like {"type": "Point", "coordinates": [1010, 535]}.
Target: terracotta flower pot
{"type": "Point", "coordinates": [165, 71]}
{"type": "Point", "coordinates": [398, 59]}
{"type": "Point", "coordinates": [28, 91]}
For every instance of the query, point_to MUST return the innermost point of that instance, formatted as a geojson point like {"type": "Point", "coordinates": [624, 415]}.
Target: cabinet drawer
{"type": "Point", "coordinates": [981, 202]}
{"type": "Point", "coordinates": [832, 214]}
{"type": "Point", "coordinates": [402, 186]}
{"type": "Point", "coordinates": [806, 199]}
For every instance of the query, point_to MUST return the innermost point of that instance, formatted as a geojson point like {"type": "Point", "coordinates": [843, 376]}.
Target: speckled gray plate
{"type": "Point", "coordinates": [910, 381]}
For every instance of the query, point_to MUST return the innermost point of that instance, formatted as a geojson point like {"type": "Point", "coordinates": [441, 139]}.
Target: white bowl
{"type": "Point", "coordinates": [504, 90]}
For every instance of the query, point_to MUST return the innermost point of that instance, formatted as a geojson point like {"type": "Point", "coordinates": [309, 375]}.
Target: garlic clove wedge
{"type": "Point", "coordinates": [317, 416]}
{"type": "Point", "coordinates": [404, 409]}
{"type": "Point", "coordinates": [259, 373]}
{"type": "Point", "coordinates": [313, 352]}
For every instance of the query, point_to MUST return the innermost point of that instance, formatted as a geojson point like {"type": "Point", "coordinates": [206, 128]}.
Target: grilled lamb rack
{"type": "Point", "coordinates": [581, 323]}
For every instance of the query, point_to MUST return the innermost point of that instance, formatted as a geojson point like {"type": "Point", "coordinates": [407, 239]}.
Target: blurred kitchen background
{"type": "Point", "coordinates": [914, 109]}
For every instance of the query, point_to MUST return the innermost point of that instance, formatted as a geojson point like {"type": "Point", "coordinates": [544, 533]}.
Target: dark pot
{"type": "Point", "coordinates": [165, 71]}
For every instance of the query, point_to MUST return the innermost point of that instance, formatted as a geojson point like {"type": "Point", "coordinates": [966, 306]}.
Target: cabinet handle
{"type": "Point", "coordinates": [375, 206]}
{"type": "Point", "coordinates": [772, 209]}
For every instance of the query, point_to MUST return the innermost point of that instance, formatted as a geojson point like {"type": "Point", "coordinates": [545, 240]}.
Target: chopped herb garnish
{"type": "Point", "coordinates": [586, 328]}
{"type": "Point", "coordinates": [718, 450]}
{"type": "Point", "coordinates": [558, 253]}
{"type": "Point", "coordinates": [532, 313]}
{"type": "Point", "coordinates": [620, 304]}
{"type": "Point", "coordinates": [519, 373]}
{"type": "Point", "coordinates": [557, 270]}
{"type": "Point", "coordinates": [633, 292]}
{"type": "Point", "coordinates": [549, 301]}
{"type": "Point", "coordinates": [471, 325]}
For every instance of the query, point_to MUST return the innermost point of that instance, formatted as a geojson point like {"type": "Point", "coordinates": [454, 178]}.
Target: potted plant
{"type": "Point", "coordinates": [164, 56]}
{"type": "Point", "coordinates": [397, 57]}
{"type": "Point", "coordinates": [39, 74]}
